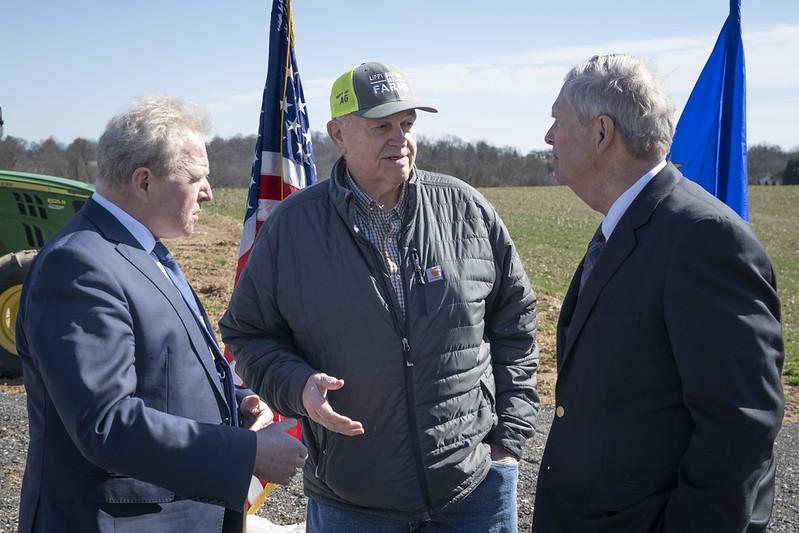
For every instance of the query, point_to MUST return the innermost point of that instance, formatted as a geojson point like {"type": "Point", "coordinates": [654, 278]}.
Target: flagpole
{"type": "Point", "coordinates": [286, 68]}
{"type": "Point", "coordinates": [728, 112]}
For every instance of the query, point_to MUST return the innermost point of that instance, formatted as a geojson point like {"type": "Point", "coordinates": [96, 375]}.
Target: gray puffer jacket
{"type": "Point", "coordinates": [433, 389]}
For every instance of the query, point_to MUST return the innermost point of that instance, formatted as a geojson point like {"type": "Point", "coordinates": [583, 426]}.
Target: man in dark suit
{"type": "Point", "coordinates": [133, 413]}
{"type": "Point", "coordinates": [669, 353]}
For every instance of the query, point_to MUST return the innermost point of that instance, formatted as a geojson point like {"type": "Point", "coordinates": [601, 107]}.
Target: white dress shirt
{"type": "Point", "coordinates": [623, 202]}
{"type": "Point", "coordinates": [136, 228]}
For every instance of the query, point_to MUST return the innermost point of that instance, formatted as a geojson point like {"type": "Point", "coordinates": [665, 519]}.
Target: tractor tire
{"type": "Point", "coordinates": [13, 267]}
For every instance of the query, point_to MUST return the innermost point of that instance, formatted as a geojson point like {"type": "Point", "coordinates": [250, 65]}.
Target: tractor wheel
{"type": "Point", "coordinates": [12, 272]}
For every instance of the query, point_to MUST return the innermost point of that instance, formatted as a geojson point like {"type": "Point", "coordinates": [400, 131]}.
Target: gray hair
{"type": "Point", "coordinates": [148, 135]}
{"type": "Point", "coordinates": [626, 90]}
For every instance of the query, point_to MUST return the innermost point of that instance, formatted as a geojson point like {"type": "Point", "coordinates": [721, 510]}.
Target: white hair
{"type": "Point", "coordinates": [150, 135]}
{"type": "Point", "coordinates": [626, 90]}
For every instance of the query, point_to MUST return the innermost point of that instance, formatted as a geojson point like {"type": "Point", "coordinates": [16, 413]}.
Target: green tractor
{"type": "Point", "coordinates": [32, 209]}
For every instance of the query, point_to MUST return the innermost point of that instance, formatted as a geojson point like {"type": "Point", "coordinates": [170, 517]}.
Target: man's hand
{"type": "Point", "coordinates": [278, 455]}
{"type": "Point", "coordinates": [501, 455]}
{"type": "Point", "coordinates": [314, 399]}
{"type": "Point", "coordinates": [255, 414]}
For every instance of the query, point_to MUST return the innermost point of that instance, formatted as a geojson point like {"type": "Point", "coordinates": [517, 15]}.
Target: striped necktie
{"type": "Point", "coordinates": [595, 247]}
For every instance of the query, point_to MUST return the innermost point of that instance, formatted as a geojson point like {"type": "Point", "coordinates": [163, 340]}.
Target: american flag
{"type": "Point", "coordinates": [283, 156]}
{"type": "Point", "coordinates": [283, 160]}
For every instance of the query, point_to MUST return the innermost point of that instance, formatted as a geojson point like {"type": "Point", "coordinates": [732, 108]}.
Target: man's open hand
{"type": "Point", "coordinates": [314, 399]}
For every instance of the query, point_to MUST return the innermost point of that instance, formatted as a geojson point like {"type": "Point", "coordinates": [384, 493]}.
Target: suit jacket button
{"type": "Point", "coordinates": [560, 411]}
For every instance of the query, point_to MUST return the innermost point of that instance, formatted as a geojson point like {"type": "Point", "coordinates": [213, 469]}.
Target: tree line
{"type": "Point", "coordinates": [478, 163]}
{"type": "Point", "coordinates": [768, 164]}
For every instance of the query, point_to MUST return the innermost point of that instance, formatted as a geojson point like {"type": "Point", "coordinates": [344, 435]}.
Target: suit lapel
{"type": "Point", "coordinates": [620, 245]}
{"type": "Point", "coordinates": [566, 314]}
{"type": "Point", "coordinates": [131, 250]}
{"type": "Point", "coordinates": [142, 261]}
{"type": "Point", "coordinates": [615, 252]}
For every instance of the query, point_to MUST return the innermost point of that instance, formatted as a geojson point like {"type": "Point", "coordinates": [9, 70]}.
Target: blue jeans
{"type": "Point", "coordinates": [490, 508]}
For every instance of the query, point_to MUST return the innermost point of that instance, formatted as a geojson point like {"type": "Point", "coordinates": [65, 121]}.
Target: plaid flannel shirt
{"type": "Point", "coordinates": [382, 229]}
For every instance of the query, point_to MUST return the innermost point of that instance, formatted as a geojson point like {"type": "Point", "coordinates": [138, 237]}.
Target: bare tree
{"type": "Point", "coordinates": [231, 160]}
{"type": "Point", "coordinates": [479, 163]}
{"type": "Point", "coordinates": [12, 150]}
{"type": "Point", "coordinates": [81, 158]}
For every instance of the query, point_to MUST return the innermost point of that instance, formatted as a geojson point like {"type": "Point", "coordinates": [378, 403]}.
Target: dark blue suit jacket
{"type": "Point", "coordinates": [129, 424]}
{"type": "Point", "coordinates": [668, 394]}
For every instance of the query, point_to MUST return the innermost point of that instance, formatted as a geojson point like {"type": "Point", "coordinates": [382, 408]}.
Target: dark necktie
{"type": "Point", "coordinates": [178, 279]}
{"type": "Point", "coordinates": [592, 254]}
{"type": "Point", "coordinates": [181, 283]}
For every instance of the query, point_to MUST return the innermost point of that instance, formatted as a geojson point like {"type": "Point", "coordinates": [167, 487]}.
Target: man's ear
{"type": "Point", "coordinates": [140, 182]}
{"type": "Point", "coordinates": [605, 132]}
{"type": "Point", "coordinates": [335, 132]}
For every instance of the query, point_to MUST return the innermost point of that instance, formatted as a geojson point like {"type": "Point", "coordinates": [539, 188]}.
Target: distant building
{"type": "Point", "coordinates": [774, 179]}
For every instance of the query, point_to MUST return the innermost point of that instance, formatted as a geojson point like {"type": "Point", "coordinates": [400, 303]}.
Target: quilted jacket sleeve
{"type": "Point", "coordinates": [511, 328]}
{"type": "Point", "coordinates": [257, 334]}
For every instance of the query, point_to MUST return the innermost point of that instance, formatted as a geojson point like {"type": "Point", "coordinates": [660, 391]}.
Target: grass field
{"type": "Point", "coordinates": [551, 227]}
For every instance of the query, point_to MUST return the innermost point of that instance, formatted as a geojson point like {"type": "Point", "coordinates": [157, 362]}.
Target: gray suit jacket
{"type": "Point", "coordinates": [129, 423]}
{"type": "Point", "coordinates": [669, 395]}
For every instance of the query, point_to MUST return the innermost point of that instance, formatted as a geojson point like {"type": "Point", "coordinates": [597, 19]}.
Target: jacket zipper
{"type": "Point", "coordinates": [417, 266]}
{"type": "Point", "coordinates": [401, 329]}
{"type": "Point", "coordinates": [409, 394]}
{"type": "Point", "coordinates": [387, 291]}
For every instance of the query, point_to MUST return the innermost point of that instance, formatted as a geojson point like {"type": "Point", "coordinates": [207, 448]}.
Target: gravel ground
{"type": "Point", "coordinates": [286, 505]}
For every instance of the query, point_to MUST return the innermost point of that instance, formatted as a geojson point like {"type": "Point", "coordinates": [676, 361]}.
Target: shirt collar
{"type": "Point", "coordinates": [623, 202]}
{"type": "Point", "coordinates": [136, 228]}
{"type": "Point", "coordinates": [365, 202]}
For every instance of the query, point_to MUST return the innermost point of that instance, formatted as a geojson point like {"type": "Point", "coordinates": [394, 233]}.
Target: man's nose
{"type": "Point", "coordinates": [549, 138]}
{"type": "Point", "coordinates": [399, 135]}
{"type": "Point", "coordinates": [206, 194]}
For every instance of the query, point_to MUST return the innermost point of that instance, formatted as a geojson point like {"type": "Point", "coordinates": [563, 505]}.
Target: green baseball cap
{"type": "Point", "coordinates": [372, 90]}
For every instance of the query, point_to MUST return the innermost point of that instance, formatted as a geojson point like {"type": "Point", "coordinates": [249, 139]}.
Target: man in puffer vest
{"type": "Point", "coordinates": [387, 309]}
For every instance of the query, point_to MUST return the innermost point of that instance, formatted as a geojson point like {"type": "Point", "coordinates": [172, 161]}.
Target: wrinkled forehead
{"type": "Point", "coordinates": [193, 152]}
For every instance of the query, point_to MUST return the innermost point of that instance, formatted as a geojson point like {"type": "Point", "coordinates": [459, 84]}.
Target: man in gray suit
{"type": "Point", "coordinates": [132, 410]}
{"type": "Point", "coordinates": [669, 353]}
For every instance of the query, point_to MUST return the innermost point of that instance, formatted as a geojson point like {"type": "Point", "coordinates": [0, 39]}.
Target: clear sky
{"type": "Point", "coordinates": [491, 68]}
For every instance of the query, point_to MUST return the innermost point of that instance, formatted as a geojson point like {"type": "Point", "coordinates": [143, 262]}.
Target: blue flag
{"type": "Point", "coordinates": [709, 145]}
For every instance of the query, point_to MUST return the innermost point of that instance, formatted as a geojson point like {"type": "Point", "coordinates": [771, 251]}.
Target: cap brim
{"type": "Point", "coordinates": [392, 108]}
